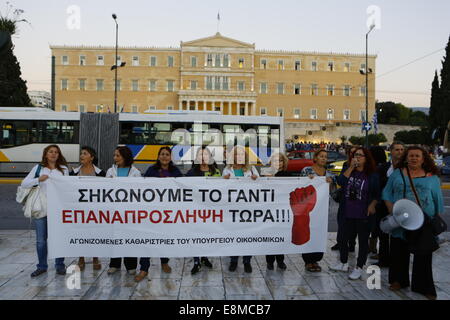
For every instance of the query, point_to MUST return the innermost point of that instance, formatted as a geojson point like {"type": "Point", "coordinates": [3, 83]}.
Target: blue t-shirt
{"type": "Point", "coordinates": [428, 190]}
{"type": "Point", "coordinates": [123, 172]}
{"type": "Point", "coordinates": [238, 172]}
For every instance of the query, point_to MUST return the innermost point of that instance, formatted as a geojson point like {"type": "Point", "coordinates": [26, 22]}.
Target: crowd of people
{"type": "Point", "coordinates": [366, 190]}
{"type": "Point", "coordinates": [310, 146]}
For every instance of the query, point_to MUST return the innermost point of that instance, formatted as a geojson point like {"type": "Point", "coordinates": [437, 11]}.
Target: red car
{"type": "Point", "coordinates": [299, 159]}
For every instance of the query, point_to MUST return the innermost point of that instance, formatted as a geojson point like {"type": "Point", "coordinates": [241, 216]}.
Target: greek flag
{"type": "Point", "coordinates": [375, 122]}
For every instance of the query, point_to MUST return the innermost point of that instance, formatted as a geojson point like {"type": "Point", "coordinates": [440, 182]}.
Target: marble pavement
{"type": "Point", "coordinates": [18, 259]}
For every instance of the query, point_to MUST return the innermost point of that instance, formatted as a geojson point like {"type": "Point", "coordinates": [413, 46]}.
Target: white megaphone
{"type": "Point", "coordinates": [406, 214]}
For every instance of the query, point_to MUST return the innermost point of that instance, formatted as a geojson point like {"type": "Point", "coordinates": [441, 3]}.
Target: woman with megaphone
{"type": "Point", "coordinates": [414, 179]}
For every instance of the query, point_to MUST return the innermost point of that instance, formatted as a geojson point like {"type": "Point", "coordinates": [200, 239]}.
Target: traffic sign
{"type": "Point", "coordinates": [366, 126]}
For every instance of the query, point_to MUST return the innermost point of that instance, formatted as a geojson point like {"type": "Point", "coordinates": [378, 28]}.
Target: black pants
{"type": "Point", "coordinates": [312, 257]}
{"type": "Point", "coordinates": [384, 252]}
{"type": "Point", "coordinates": [271, 258]}
{"type": "Point", "coordinates": [399, 267]}
{"type": "Point", "coordinates": [353, 227]}
{"type": "Point", "coordinates": [130, 263]}
{"type": "Point", "coordinates": [145, 263]}
{"type": "Point", "coordinates": [246, 259]}
{"type": "Point", "coordinates": [340, 230]}
{"type": "Point", "coordinates": [422, 273]}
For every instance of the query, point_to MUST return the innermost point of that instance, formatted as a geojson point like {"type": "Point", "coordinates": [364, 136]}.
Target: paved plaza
{"type": "Point", "coordinates": [18, 260]}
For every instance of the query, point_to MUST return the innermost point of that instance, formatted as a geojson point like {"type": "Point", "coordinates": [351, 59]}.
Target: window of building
{"type": "Point", "coordinates": [100, 85]}
{"type": "Point", "coordinates": [280, 112]}
{"type": "Point", "coordinates": [297, 89]}
{"type": "Point", "coordinates": [170, 61]}
{"type": "Point", "coordinates": [363, 67]}
{"type": "Point", "coordinates": [193, 85]}
{"type": "Point", "coordinates": [362, 115]}
{"type": "Point", "coordinates": [280, 64]}
{"type": "Point", "coordinates": [81, 108]}
{"type": "Point", "coordinates": [82, 60]}
{"type": "Point", "coordinates": [362, 91]}
{"type": "Point", "coordinates": [226, 60]}
{"type": "Point", "coordinates": [313, 114]}
{"type": "Point", "coordinates": [347, 67]}
{"type": "Point", "coordinates": [263, 64]}
{"type": "Point", "coordinates": [217, 61]}
{"type": "Point", "coordinates": [100, 60]}
{"type": "Point", "coordinates": [169, 108]}
{"type": "Point", "coordinates": [119, 60]}
{"type": "Point", "coordinates": [64, 84]}
{"type": "Point", "coordinates": [346, 91]}
{"type": "Point", "coordinates": [193, 62]}
{"type": "Point", "coordinates": [135, 85]}
{"type": "Point", "coordinates": [119, 85]}
{"type": "Point", "coordinates": [135, 60]}
{"type": "Point", "coordinates": [298, 65]}
{"type": "Point", "coordinates": [65, 60]}
{"type": "Point", "coordinates": [314, 66]}
{"type": "Point", "coordinates": [241, 85]}
{"type": "Point", "coordinates": [217, 83]}
{"type": "Point", "coordinates": [330, 114]}
{"type": "Point", "coordinates": [241, 63]}
{"type": "Point", "coordinates": [64, 108]}
{"type": "Point", "coordinates": [152, 108]}
{"type": "Point", "coordinates": [209, 83]}
{"type": "Point", "coordinates": [330, 90]}
{"type": "Point", "coordinates": [225, 83]}
{"type": "Point", "coordinates": [263, 88]}
{"type": "Point", "coordinates": [134, 109]}
{"type": "Point", "coordinates": [209, 60]}
{"type": "Point", "coordinates": [82, 84]}
{"type": "Point", "coordinates": [153, 61]}
{"type": "Point", "coordinates": [170, 85]}
{"type": "Point", "coordinates": [99, 108]}
{"type": "Point", "coordinates": [314, 90]}
{"type": "Point", "coordinates": [346, 114]}
{"type": "Point", "coordinates": [280, 88]}
{"type": "Point", "coordinates": [297, 113]}
{"type": "Point", "coordinates": [331, 66]}
{"type": "Point", "coordinates": [152, 85]}
{"type": "Point", "coordinates": [263, 111]}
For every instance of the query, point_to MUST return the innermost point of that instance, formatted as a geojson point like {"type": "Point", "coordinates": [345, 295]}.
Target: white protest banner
{"type": "Point", "coordinates": [186, 217]}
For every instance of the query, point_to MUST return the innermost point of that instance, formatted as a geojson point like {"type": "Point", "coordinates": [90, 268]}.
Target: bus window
{"type": "Point", "coordinates": [7, 136]}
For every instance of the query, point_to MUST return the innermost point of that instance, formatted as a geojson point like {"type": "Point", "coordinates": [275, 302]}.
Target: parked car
{"type": "Point", "coordinates": [299, 159]}
{"type": "Point", "coordinates": [445, 169]}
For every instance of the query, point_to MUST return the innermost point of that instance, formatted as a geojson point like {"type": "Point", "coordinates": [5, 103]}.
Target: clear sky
{"type": "Point", "coordinates": [409, 29]}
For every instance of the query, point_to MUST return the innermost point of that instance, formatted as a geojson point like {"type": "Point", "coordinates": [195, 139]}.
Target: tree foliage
{"type": "Point", "coordinates": [374, 139]}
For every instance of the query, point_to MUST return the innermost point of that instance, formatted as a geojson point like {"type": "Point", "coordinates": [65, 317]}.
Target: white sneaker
{"type": "Point", "coordinates": [132, 272]}
{"type": "Point", "coordinates": [112, 270]}
{"type": "Point", "coordinates": [340, 267]}
{"type": "Point", "coordinates": [356, 274]}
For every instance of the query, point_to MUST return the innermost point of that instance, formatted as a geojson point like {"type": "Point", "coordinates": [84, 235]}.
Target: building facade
{"type": "Point", "coordinates": [40, 99]}
{"type": "Point", "coordinates": [311, 90]}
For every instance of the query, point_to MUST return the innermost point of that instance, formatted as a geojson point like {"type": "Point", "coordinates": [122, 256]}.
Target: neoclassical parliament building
{"type": "Point", "coordinates": [313, 91]}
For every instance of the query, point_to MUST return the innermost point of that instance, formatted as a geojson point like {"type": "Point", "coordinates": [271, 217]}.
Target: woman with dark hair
{"type": "Point", "coordinates": [361, 191]}
{"type": "Point", "coordinates": [417, 163]}
{"type": "Point", "coordinates": [318, 169]}
{"type": "Point", "coordinates": [123, 167]}
{"type": "Point", "coordinates": [87, 168]}
{"type": "Point", "coordinates": [164, 168]}
{"type": "Point", "coordinates": [53, 164]}
{"type": "Point", "coordinates": [204, 166]}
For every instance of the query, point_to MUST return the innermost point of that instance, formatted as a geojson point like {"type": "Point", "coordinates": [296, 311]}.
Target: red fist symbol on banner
{"type": "Point", "coordinates": [303, 201]}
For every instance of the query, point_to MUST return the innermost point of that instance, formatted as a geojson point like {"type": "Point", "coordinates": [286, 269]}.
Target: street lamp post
{"type": "Point", "coordinates": [367, 82]}
{"type": "Point", "coordinates": [116, 66]}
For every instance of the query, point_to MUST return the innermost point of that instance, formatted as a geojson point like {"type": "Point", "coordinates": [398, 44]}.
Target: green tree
{"type": "Point", "coordinates": [422, 136]}
{"type": "Point", "coordinates": [13, 89]}
{"type": "Point", "coordinates": [374, 139]}
{"type": "Point", "coordinates": [435, 102]}
{"type": "Point", "coordinates": [444, 93]}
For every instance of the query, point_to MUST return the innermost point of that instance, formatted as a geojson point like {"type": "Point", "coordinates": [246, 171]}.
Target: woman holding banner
{"type": "Point", "coordinates": [278, 166]}
{"type": "Point", "coordinates": [87, 168]}
{"type": "Point", "coordinates": [318, 169]}
{"type": "Point", "coordinates": [238, 165]}
{"type": "Point", "coordinates": [204, 166]}
{"type": "Point", "coordinates": [417, 164]}
{"type": "Point", "coordinates": [53, 164]}
{"type": "Point", "coordinates": [361, 191]}
{"type": "Point", "coordinates": [164, 168]}
{"type": "Point", "coordinates": [123, 167]}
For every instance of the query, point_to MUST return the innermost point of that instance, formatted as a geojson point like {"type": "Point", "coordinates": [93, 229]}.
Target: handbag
{"type": "Point", "coordinates": [35, 205]}
{"type": "Point", "coordinates": [422, 240]}
{"type": "Point", "coordinates": [22, 193]}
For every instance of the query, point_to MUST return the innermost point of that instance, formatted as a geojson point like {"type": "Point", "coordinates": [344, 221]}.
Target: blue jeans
{"type": "Point", "coordinates": [41, 245]}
